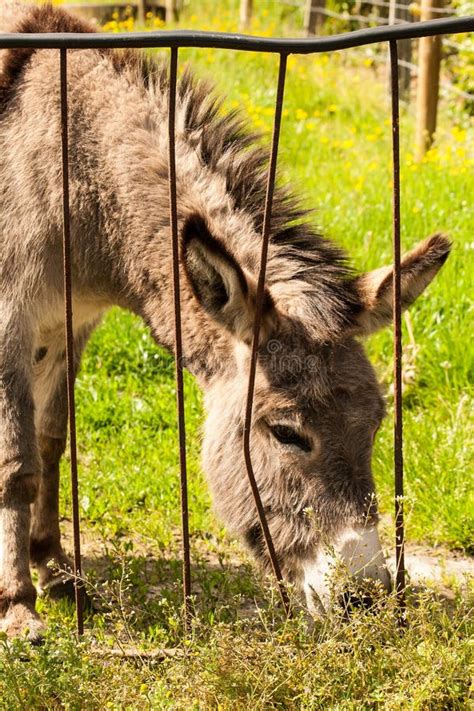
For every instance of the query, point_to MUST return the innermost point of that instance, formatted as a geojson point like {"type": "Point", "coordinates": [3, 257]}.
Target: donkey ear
{"type": "Point", "coordinates": [418, 269]}
{"type": "Point", "coordinates": [219, 283]}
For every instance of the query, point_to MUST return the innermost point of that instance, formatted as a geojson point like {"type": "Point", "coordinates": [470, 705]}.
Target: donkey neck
{"type": "Point", "coordinates": [146, 248]}
{"type": "Point", "coordinates": [125, 183]}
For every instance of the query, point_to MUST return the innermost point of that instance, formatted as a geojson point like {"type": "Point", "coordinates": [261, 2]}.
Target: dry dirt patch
{"type": "Point", "coordinates": [433, 566]}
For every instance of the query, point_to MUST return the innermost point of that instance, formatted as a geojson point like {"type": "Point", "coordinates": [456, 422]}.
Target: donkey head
{"type": "Point", "coordinates": [316, 411]}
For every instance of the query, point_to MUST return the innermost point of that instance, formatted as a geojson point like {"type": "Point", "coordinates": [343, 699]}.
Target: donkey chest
{"type": "Point", "coordinates": [49, 347]}
{"type": "Point", "coordinates": [49, 343]}
{"type": "Point", "coordinates": [50, 317]}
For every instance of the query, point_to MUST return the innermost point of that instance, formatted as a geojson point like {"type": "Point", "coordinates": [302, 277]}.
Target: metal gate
{"type": "Point", "coordinates": [282, 47]}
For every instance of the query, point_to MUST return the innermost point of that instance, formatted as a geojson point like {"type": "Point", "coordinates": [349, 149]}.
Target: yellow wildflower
{"type": "Point", "coordinates": [301, 114]}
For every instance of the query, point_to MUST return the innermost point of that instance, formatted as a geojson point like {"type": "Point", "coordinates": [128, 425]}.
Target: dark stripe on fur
{"type": "Point", "coordinates": [254, 540]}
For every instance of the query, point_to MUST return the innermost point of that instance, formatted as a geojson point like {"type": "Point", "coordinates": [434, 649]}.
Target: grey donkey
{"type": "Point", "coordinates": [317, 402]}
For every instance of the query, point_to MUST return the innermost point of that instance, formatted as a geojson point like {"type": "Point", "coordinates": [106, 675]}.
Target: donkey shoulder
{"type": "Point", "coordinates": [44, 19]}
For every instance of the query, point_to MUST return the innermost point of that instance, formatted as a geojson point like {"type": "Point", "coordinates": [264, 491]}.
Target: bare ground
{"type": "Point", "coordinates": [436, 567]}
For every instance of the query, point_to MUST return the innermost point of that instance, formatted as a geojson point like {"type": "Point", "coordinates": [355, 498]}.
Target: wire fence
{"type": "Point", "coordinates": [355, 13]}
{"type": "Point", "coordinates": [370, 13]}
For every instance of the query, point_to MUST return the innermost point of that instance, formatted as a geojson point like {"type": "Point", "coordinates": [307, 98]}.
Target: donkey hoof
{"type": "Point", "coordinates": [64, 589]}
{"type": "Point", "coordinates": [59, 589]}
{"type": "Point", "coordinates": [21, 621]}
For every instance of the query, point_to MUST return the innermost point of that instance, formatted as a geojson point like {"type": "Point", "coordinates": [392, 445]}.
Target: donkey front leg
{"type": "Point", "coordinates": [46, 552]}
{"type": "Point", "coordinates": [50, 393]}
{"type": "Point", "coordinates": [19, 474]}
{"type": "Point", "coordinates": [17, 593]}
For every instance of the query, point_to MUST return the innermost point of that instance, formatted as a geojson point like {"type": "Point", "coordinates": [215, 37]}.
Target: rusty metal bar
{"type": "Point", "coordinates": [70, 368]}
{"type": "Point", "coordinates": [256, 332]}
{"type": "Point", "coordinates": [397, 327]}
{"type": "Point", "coordinates": [178, 335]}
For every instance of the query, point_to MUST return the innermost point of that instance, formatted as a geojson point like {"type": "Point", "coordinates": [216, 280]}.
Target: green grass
{"type": "Point", "coordinates": [263, 663]}
{"type": "Point", "coordinates": [335, 151]}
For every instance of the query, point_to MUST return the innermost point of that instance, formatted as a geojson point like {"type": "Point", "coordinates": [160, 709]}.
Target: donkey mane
{"type": "Point", "coordinates": [309, 275]}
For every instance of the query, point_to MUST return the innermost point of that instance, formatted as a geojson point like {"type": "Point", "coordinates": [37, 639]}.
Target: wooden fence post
{"type": "Point", "coordinates": [246, 8]}
{"type": "Point", "coordinates": [429, 62]}
{"type": "Point", "coordinates": [313, 20]}
{"type": "Point", "coordinates": [171, 11]}
{"type": "Point", "coordinates": [141, 11]}
{"type": "Point", "coordinates": [404, 46]}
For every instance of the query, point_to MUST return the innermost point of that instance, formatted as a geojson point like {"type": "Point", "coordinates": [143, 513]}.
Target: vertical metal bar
{"type": "Point", "coordinates": [397, 325]}
{"type": "Point", "coordinates": [70, 344]}
{"type": "Point", "coordinates": [178, 335]}
{"type": "Point", "coordinates": [256, 331]}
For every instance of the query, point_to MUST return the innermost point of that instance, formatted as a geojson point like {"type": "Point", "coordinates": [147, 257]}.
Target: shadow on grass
{"type": "Point", "coordinates": [142, 593]}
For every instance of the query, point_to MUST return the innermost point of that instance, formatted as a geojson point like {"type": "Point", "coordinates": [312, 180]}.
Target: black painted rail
{"type": "Point", "coordinates": [248, 43]}
{"type": "Point", "coordinates": [282, 47]}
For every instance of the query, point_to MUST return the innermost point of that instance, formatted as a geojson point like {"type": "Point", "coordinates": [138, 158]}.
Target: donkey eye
{"type": "Point", "coordinates": [286, 435]}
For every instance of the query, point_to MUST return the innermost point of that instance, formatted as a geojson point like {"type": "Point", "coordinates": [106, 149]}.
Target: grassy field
{"type": "Point", "coordinates": [242, 654]}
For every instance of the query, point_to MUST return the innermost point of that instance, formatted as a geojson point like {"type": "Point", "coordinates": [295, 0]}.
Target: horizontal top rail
{"type": "Point", "coordinates": [223, 40]}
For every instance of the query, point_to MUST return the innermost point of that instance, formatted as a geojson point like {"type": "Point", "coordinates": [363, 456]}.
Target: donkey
{"type": "Point", "coordinates": [317, 403]}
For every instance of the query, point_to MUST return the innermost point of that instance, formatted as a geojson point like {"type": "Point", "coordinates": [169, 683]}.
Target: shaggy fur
{"type": "Point", "coordinates": [313, 378]}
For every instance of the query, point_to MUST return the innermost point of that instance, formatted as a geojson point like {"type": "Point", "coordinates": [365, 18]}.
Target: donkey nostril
{"type": "Point", "coordinates": [366, 594]}
{"type": "Point", "coordinates": [351, 600]}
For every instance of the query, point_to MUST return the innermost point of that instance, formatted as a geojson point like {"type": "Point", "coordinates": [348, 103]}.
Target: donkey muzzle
{"type": "Point", "coordinates": [355, 557]}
